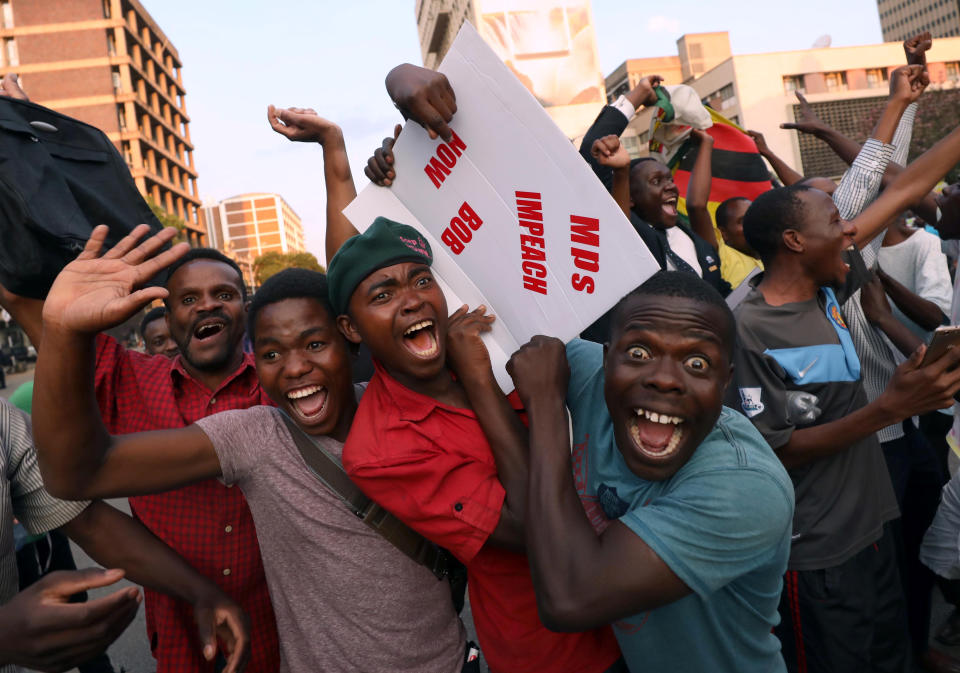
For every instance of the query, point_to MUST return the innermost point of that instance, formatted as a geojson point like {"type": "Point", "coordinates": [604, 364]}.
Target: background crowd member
{"type": "Point", "coordinates": [39, 628]}
{"type": "Point", "coordinates": [675, 554]}
{"type": "Point", "coordinates": [653, 194]}
{"type": "Point", "coordinates": [364, 606]}
{"type": "Point", "coordinates": [156, 333]}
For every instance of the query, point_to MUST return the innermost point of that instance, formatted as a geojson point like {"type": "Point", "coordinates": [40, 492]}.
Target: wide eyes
{"type": "Point", "coordinates": [697, 363]}
{"type": "Point", "coordinates": [639, 353]}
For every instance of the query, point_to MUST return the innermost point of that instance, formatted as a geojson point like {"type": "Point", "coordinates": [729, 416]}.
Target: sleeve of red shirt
{"type": "Point", "coordinates": [450, 498]}
{"type": "Point", "coordinates": [110, 360]}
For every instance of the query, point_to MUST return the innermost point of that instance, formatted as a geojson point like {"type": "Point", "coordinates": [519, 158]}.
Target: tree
{"type": "Point", "coordinates": [270, 263]}
{"type": "Point", "coordinates": [168, 219]}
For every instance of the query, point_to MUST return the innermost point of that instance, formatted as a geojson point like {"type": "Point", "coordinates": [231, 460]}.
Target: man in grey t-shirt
{"type": "Point", "coordinates": [344, 597]}
{"type": "Point", "coordinates": [797, 377]}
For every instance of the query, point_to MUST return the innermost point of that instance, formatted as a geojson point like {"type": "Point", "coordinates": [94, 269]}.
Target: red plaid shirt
{"type": "Point", "coordinates": [208, 523]}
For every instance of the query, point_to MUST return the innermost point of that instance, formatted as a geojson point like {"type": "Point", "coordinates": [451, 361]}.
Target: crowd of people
{"type": "Point", "coordinates": [737, 468]}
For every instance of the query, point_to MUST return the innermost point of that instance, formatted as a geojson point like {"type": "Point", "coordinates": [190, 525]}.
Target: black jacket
{"type": "Point", "coordinates": [59, 178]}
{"type": "Point", "coordinates": [612, 122]}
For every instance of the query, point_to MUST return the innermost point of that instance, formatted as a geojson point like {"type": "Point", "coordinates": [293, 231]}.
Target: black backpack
{"type": "Point", "coordinates": [59, 178]}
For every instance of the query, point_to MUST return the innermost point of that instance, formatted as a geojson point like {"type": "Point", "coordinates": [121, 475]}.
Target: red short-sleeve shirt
{"type": "Point", "coordinates": [431, 466]}
{"type": "Point", "coordinates": [207, 523]}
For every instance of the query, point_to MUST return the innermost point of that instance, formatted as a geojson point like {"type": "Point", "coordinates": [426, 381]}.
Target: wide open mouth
{"type": "Point", "coordinates": [656, 436]}
{"type": "Point", "coordinates": [669, 206]}
{"type": "Point", "coordinates": [421, 339]}
{"type": "Point", "coordinates": [209, 328]}
{"type": "Point", "coordinates": [309, 402]}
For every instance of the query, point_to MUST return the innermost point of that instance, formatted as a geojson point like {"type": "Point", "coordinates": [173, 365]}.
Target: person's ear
{"type": "Point", "coordinates": [246, 305]}
{"type": "Point", "coordinates": [793, 241]}
{"type": "Point", "coordinates": [348, 329]}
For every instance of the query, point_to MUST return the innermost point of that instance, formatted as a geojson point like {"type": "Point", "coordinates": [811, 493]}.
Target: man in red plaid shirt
{"type": "Point", "coordinates": [207, 523]}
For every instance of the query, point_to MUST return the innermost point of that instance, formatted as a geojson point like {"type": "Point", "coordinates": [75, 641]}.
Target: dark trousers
{"type": "Point", "coordinates": [915, 470]}
{"type": "Point", "coordinates": [848, 618]}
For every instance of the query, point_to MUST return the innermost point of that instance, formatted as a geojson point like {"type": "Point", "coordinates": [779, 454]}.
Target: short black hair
{"type": "Point", "coordinates": [290, 283]}
{"type": "Point", "coordinates": [687, 286]}
{"type": "Point", "coordinates": [156, 313]}
{"type": "Point", "coordinates": [207, 253]}
{"type": "Point", "coordinates": [771, 214]}
{"type": "Point", "coordinates": [723, 210]}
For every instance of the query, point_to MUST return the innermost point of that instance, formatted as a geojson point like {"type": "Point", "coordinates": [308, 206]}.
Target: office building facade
{"type": "Point", "coordinates": [107, 63]}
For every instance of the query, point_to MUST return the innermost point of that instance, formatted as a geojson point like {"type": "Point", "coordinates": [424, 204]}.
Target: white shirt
{"type": "Point", "coordinates": [682, 244]}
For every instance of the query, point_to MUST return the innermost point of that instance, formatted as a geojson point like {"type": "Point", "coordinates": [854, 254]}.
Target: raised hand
{"type": "Point", "coordinates": [379, 169]}
{"type": "Point", "coordinates": [94, 293]}
{"type": "Point", "coordinates": [42, 630]}
{"type": "Point", "coordinates": [908, 82]}
{"type": "Point", "coordinates": [609, 151]}
{"type": "Point", "coordinates": [540, 368]}
{"type": "Point", "coordinates": [808, 122]}
{"type": "Point", "coordinates": [424, 96]}
{"type": "Point", "coordinates": [645, 91]}
{"type": "Point", "coordinates": [916, 48]}
{"type": "Point", "coordinates": [219, 618]}
{"type": "Point", "coordinates": [10, 87]}
{"type": "Point", "coordinates": [467, 355]}
{"type": "Point", "coordinates": [760, 141]}
{"type": "Point", "coordinates": [302, 125]}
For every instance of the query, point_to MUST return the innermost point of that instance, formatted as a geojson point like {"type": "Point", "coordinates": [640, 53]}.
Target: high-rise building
{"type": "Point", "coordinates": [902, 19]}
{"type": "Point", "coordinates": [548, 44]}
{"type": "Point", "coordinates": [107, 63]}
{"type": "Point", "coordinates": [844, 85]}
{"type": "Point", "coordinates": [249, 225]}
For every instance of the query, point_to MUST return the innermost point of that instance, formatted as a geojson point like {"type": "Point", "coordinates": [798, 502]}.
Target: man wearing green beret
{"type": "Point", "coordinates": [443, 450]}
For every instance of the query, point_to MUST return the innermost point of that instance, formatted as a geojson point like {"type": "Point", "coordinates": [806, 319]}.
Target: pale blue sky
{"type": "Point", "coordinates": [332, 55]}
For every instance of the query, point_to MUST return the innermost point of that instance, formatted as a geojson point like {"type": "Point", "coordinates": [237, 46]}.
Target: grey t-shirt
{"type": "Point", "coordinates": [796, 367]}
{"type": "Point", "coordinates": [345, 598]}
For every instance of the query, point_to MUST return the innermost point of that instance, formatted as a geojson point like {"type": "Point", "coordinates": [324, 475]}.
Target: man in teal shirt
{"type": "Point", "coordinates": [688, 511]}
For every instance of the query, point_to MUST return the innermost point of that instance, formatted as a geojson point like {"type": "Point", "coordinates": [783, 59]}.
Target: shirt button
{"type": "Point", "coordinates": [229, 485]}
{"type": "Point", "coordinates": [213, 400]}
{"type": "Point", "coordinates": [228, 529]}
{"type": "Point", "coordinates": [458, 507]}
{"type": "Point", "coordinates": [226, 571]}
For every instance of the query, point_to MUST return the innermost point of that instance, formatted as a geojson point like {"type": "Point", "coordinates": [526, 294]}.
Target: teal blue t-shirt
{"type": "Point", "coordinates": [722, 523]}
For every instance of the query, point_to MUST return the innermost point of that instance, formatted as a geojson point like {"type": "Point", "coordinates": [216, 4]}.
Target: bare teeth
{"type": "Point", "coordinates": [300, 393]}
{"type": "Point", "coordinates": [658, 418]}
{"type": "Point", "coordinates": [423, 324]}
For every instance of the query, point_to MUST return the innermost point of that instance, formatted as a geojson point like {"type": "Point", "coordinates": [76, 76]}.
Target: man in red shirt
{"type": "Point", "coordinates": [207, 523]}
{"type": "Point", "coordinates": [424, 445]}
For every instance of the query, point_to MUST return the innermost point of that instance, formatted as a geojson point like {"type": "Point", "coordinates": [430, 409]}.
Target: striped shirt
{"type": "Point", "coordinates": [22, 496]}
{"type": "Point", "coordinates": [856, 190]}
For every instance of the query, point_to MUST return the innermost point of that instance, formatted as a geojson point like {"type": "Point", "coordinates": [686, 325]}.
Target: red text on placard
{"type": "Point", "coordinates": [438, 168]}
{"type": "Point", "coordinates": [533, 253]}
{"type": "Point", "coordinates": [460, 231]}
{"type": "Point", "coordinates": [585, 250]}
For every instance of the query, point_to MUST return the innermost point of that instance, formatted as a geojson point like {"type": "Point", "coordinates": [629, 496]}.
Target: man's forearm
{"type": "Point", "coordinates": [621, 189]}
{"type": "Point", "coordinates": [508, 442]}
{"type": "Point", "coordinates": [560, 539]}
{"type": "Point", "coordinates": [809, 444]}
{"type": "Point", "coordinates": [698, 194]}
{"type": "Point", "coordinates": [899, 334]}
{"type": "Point", "coordinates": [340, 192]}
{"type": "Point", "coordinates": [787, 175]}
{"type": "Point", "coordinates": [69, 433]}
{"type": "Point", "coordinates": [921, 311]}
{"type": "Point", "coordinates": [116, 540]}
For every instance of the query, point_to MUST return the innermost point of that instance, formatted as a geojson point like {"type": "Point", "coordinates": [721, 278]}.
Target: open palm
{"type": "Point", "coordinates": [94, 293]}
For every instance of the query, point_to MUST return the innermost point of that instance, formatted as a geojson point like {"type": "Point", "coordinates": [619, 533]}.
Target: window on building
{"type": "Point", "coordinates": [835, 81]}
{"type": "Point", "coordinates": [877, 77]}
{"type": "Point", "coordinates": [115, 76]}
{"type": "Point", "coordinates": [6, 14]}
{"type": "Point", "coordinates": [111, 44]}
{"type": "Point", "coordinates": [106, 9]}
{"type": "Point", "coordinates": [793, 83]}
{"type": "Point", "coordinates": [953, 71]}
{"type": "Point", "coordinates": [122, 118]}
{"type": "Point", "coordinates": [10, 51]}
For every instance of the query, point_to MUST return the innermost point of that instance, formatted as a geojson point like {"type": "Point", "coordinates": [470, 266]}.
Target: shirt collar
{"type": "Point", "coordinates": [412, 406]}
{"type": "Point", "coordinates": [247, 369]}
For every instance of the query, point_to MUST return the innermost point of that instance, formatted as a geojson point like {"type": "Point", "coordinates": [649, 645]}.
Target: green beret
{"type": "Point", "coordinates": [385, 243]}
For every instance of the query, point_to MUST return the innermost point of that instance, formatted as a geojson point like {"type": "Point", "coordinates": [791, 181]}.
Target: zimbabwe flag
{"type": "Point", "coordinates": [738, 170]}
